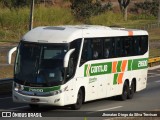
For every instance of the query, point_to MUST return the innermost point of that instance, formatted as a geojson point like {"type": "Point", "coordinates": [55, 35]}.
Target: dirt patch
{"type": "Point", "coordinates": [154, 47]}
{"type": "Point", "coordinates": [6, 71]}
{"type": "Point", "coordinates": [8, 44]}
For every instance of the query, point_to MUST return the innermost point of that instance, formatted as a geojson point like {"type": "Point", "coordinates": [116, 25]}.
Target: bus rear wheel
{"type": "Point", "coordinates": [131, 91]}
{"type": "Point", "coordinates": [79, 102]}
{"type": "Point", "coordinates": [125, 92]}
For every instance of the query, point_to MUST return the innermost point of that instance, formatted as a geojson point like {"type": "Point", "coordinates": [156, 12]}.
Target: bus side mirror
{"type": "Point", "coordinates": [11, 51]}
{"type": "Point", "coordinates": [67, 56]}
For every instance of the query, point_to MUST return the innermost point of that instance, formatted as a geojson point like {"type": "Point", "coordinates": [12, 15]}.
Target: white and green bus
{"type": "Point", "coordinates": [69, 65]}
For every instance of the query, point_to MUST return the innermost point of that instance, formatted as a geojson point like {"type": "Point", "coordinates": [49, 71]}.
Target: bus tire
{"type": "Point", "coordinates": [79, 101]}
{"type": "Point", "coordinates": [131, 90]}
{"type": "Point", "coordinates": [34, 106]}
{"type": "Point", "coordinates": [125, 91]}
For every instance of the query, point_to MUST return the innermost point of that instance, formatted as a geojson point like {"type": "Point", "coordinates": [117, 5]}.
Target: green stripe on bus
{"type": "Point", "coordinates": [130, 65]}
{"type": "Point", "coordinates": [119, 66]}
{"type": "Point", "coordinates": [115, 79]}
{"type": "Point", "coordinates": [106, 68]}
{"type": "Point", "coordinates": [45, 89]}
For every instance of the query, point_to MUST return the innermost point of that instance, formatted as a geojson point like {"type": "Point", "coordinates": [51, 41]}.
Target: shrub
{"type": "Point", "coordinates": [146, 7]}
{"type": "Point", "coordinates": [83, 9]}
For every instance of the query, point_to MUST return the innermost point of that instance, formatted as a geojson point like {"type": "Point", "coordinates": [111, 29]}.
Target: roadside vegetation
{"type": "Point", "coordinates": [14, 15]}
{"type": "Point", "coordinates": [14, 20]}
{"type": "Point", "coordinates": [14, 23]}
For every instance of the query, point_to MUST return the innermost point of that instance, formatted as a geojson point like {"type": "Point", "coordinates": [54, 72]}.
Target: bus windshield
{"type": "Point", "coordinates": [40, 64]}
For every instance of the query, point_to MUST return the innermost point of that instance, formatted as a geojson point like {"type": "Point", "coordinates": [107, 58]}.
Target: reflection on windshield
{"type": "Point", "coordinates": [40, 63]}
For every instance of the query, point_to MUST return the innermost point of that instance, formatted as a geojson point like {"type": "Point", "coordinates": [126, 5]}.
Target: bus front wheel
{"type": "Point", "coordinates": [79, 102]}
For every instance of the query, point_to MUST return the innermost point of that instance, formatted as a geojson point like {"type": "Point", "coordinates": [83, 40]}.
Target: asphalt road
{"type": "Point", "coordinates": [146, 100]}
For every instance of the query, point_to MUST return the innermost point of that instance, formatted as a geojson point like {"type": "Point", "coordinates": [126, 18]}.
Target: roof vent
{"type": "Point", "coordinates": [54, 28]}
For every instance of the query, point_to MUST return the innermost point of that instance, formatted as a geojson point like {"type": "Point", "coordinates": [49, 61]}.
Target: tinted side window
{"type": "Point", "coordinates": [127, 46]}
{"type": "Point", "coordinates": [109, 48]}
{"type": "Point", "coordinates": [103, 48]}
{"type": "Point", "coordinates": [140, 45]}
{"type": "Point", "coordinates": [92, 50]}
{"type": "Point", "coordinates": [97, 49]}
{"type": "Point", "coordinates": [86, 51]}
{"type": "Point", "coordinates": [144, 44]}
{"type": "Point", "coordinates": [119, 49]}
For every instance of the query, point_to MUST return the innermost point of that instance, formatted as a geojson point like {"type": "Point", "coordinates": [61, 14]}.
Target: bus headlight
{"type": "Point", "coordinates": [18, 87]}
{"type": "Point", "coordinates": [59, 91]}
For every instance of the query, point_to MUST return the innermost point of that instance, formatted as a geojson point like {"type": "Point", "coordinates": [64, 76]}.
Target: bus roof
{"type": "Point", "coordinates": [68, 33]}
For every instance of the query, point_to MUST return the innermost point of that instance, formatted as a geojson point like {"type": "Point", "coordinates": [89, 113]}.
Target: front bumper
{"type": "Point", "coordinates": [56, 100]}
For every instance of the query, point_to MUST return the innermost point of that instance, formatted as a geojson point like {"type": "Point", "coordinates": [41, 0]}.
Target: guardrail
{"type": "Point", "coordinates": [6, 81]}
{"type": "Point", "coordinates": [153, 61]}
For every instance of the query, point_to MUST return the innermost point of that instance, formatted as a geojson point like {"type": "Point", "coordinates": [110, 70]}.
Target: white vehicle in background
{"type": "Point", "coordinates": [69, 65]}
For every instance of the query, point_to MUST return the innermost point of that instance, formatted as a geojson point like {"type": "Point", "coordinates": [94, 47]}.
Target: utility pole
{"type": "Point", "coordinates": [159, 12]}
{"type": "Point", "coordinates": [31, 15]}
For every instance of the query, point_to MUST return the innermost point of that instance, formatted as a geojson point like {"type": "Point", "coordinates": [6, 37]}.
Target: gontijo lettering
{"type": "Point", "coordinates": [100, 68]}
{"type": "Point", "coordinates": [97, 69]}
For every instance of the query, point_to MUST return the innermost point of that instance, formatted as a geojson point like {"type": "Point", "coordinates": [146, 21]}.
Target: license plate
{"type": "Point", "coordinates": [35, 100]}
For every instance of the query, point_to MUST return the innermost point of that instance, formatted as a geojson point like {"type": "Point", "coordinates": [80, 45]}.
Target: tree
{"type": "Point", "coordinates": [123, 6]}
{"type": "Point", "coordinates": [146, 8]}
{"type": "Point", "coordinates": [83, 9]}
{"type": "Point", "coordinates": [17, 3]}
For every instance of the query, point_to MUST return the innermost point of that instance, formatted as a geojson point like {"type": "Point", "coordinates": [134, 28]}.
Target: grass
{"type": "Point", "coordinates": [107, 19]}
{"type": "Point", "coordinates": [116, 19]}
{"type": "Point", "coordinates": [14, 24]}
{"type": "Point", "coordinates": [6, 72]}
{"type": "Point", "coordinates": [154, 34]}
{"type": "Point", "coordinates": [154, 52]}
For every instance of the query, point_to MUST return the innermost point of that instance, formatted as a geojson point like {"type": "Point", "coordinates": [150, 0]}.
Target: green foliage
{"type": "Point", "coordinates": [14, 23]}
{"type": "Point", "coordinates": [83, 9]}
{"type": "Point", "coordinates": [107, 19]}
{"type": "Point", "coordinates": [16, 3]}
{"type": "Point", "coordinates": [142, 16]}
{"type": "Point", "coordinates": [146, 7]}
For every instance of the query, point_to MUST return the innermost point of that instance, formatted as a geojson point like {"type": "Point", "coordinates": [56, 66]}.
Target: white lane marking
{"type": "Point", "coordinates": [151, 73]}
{"type": "Point", "coordinates": [156, 75]}
{"type": "Point", "coordinates": [157, 81]}
{"type": "Point", "coordinates": [110, 108]}
{"type": "Point", "coordinates": [107, 109]}
{"type": "Point", "coordinates": [18, 107]}
{"type": "Point", "coordinates": [5, 98]}
{"type": "Point", "coordinates": [153, 68]}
